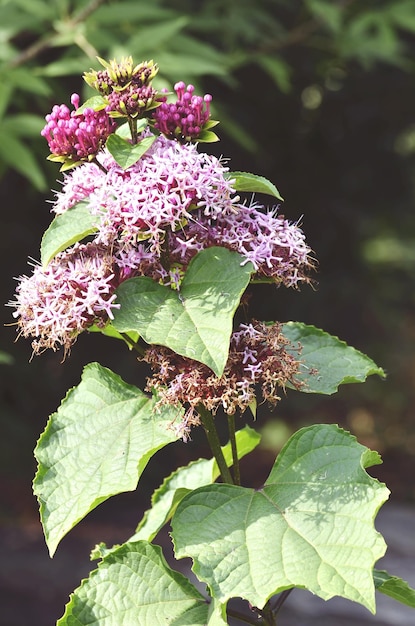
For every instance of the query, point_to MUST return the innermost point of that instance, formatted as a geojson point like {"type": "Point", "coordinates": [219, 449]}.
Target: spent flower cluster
{"type": "Point", "coordinates": [259, 355]}
{"type": "Point", "coordinates": [151, 217]}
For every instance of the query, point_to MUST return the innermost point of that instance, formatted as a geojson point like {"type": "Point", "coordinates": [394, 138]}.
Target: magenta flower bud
{"type": "Point", "coordinates": [76, 137]}
{"type": "Point", "coordinates": [184, 119]}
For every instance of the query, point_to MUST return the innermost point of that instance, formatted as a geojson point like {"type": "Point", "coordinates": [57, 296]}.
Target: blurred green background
{"type": "Point", "coordinates": [319, 97]}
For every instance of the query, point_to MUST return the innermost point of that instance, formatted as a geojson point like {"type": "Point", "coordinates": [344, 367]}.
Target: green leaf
{"type": "Point", "coordinates": [67, 228]}
{"type": "Point", "coordinates": [16, 154]}
{"type": "Point", "coordinates": [96, 445]}
{"type": "Point", "coordinates": [207, 136]}
{"type": "Point", "coordinates": [125, 153]}
{"type": "Point", "coordinates": [244, 181]}
{"type": "Point", "coordinates": [195, 322]}
{"type": "Point", "coordinates": [217, 614]}
{"type": "Point", "coordinates": [328, 13]}
{"type": "Point", "coordinates": [394, 587]}
{"type": "Point", "coordinates": [198, 473]}
{"type": "Point", "coordinates": [97, 103]}
{"type": "Point", "coordinates": [157, 34]}
{"type": "Point", "coordinates": [310, 526]}
{"type": "Point", "coordinates": [26, 79]}
{"type": "Point", "coordinates": [6, 358]}
{"type": "Point", "coordinates": [124, 130]}
{"type": "Point", "coordinates": [278, 69]}
{"type": "Point", "coordinates": [24, 124]}
{"type": "Point", "coordinates": [134, 586]}
{"type": "Point", "coordinates": [327, 362]}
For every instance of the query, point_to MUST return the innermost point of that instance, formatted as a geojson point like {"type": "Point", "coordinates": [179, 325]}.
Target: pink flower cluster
{"type": "Point", "coordinates": [184, 119]}
{"type": "Point", "coordinates": [76, 136]}
{"type": "Point", "coordinates": [156, 195]}
{"type": "Point", "coordinates": [73, 292]}
{"type": "Point", "coordinates": [276, 247]}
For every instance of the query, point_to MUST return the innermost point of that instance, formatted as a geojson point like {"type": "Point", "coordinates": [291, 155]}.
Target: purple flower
{"type": "Point", "coordinates": [58, 302]}
{"type": "Point", "coordinates": [159, 193]}
{"type": "Point", "coordinates": [76, 137]}
{"type": "Point", "coordinates": [184, 119]}
{"type": "Point", "coordinates": [276, 247]}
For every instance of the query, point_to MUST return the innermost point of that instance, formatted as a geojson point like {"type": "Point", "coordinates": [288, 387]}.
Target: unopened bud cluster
{"type": "Point", "coordinates": [184, 119]}
{"type": "Point", "coordinates": [74, 137]}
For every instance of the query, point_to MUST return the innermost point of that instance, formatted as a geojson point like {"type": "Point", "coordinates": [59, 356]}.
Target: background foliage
{"type": "Point", "coordinates": [319, 97]}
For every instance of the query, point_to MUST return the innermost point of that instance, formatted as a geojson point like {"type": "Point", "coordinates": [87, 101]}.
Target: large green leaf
{"type": "Point", "coordinates": [198, 473]}
{"type": "Point", "coordinates": [96, 445]}
{"type": "Point", "coordinates": [66, 229]}
{"type": "Point", "coordinates": [134, 586]}
{"type": "Point", "coordinates": [327, 362]}
{"type": "Point", "coordinates": [394, 587]}
{"type": "Point", "coordinates": [310, 526]}
{"type": "Point", "coordinates": [195, 322]}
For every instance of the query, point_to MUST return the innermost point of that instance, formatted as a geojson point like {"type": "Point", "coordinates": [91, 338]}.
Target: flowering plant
{"type": "Point", "coordinates": [152, 244]}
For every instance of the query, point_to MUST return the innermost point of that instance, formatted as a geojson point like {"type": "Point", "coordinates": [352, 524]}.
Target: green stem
{"type": "Point", "coordinates": [242, 617]}
{"type": "Point", "coordinates": [134, 345]}
{"type": "Point", "coordinates": [208, 424]}
{"type": "Point", "coordinates": [235, 459]}
{"type": "Point", "coordinates": [132, 123]}
{"type": "Point", "coordinates": [101, 167]}
{"type": "Point", "coordinates": [267, 615]}
{"type": "Point", "coordinates": [280, 601]}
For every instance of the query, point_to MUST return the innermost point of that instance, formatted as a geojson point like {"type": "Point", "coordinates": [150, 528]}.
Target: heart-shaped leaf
{"type": "Point", "coordinates": [311, 525]}
{"type": "Point", "coordinates": [66, 229]}
{"type": "Point", "coordinates": [195, 322]}
{"type": "Point", "coordinates": [126, 153]}
{"type": "Point", "coordinates": [96, 445]}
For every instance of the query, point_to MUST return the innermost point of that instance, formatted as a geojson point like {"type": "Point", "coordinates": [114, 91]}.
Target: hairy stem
{"type": "Point", "coordinates": [235, 459]}
{"type": "Point", "coordinates": [208, 424]}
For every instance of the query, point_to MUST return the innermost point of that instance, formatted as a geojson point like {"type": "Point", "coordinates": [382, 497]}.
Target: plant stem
{"type": "Point", "coordinates": [132, 123]}
{"type": "Point", "coordinates": [133, 344]}
{"type": "Point", "coordinates": [101, 167]}
{"type": "Point", "coordinates": [208, 424]}
{"type": "Point", "coordinates": [280, 601]}
{"type": "Point", "coordinates": [235, 459]}
{"type": "Point", "coordinates": [243, 618]}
